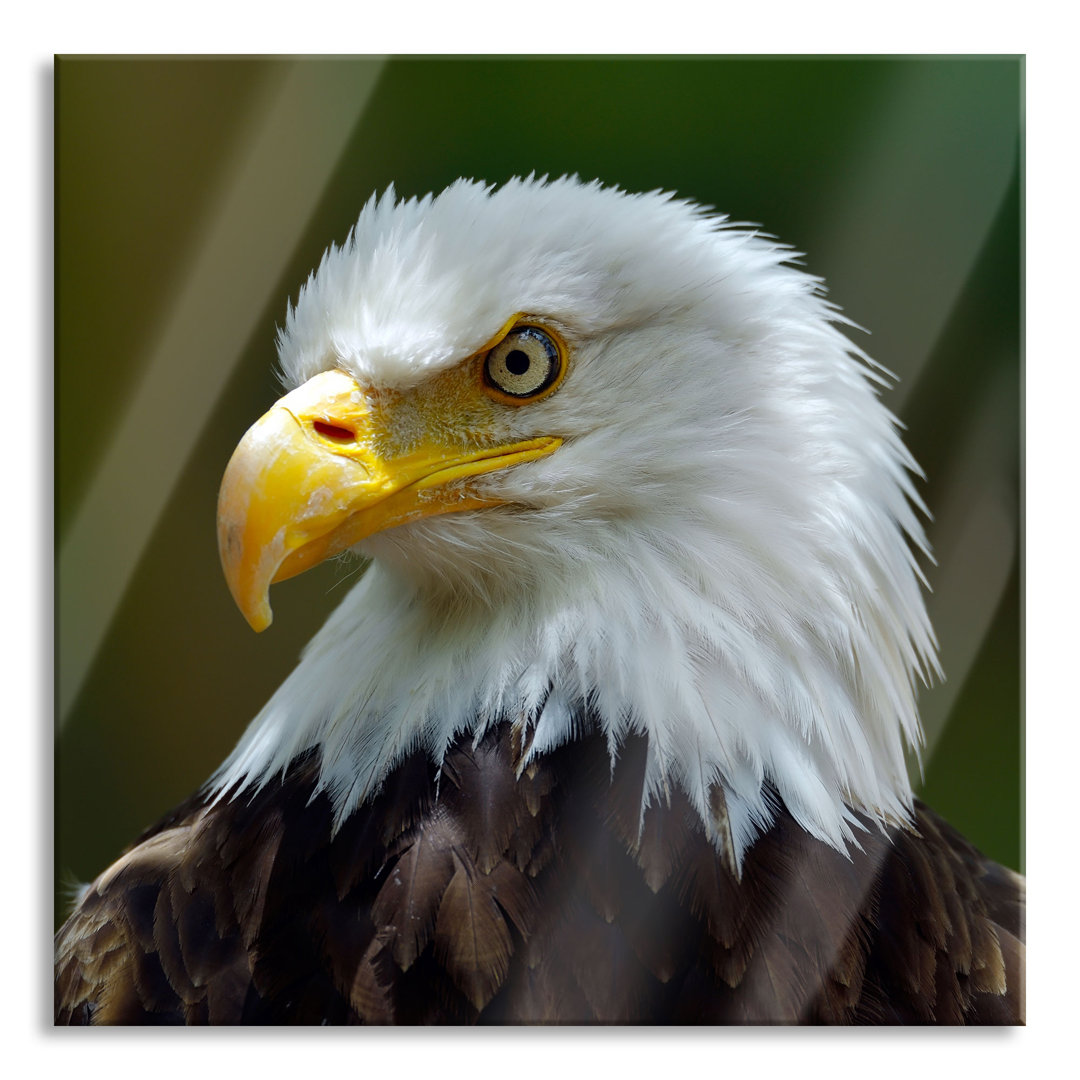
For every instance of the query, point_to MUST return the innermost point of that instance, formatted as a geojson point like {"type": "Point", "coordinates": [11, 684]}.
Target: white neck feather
{"type": "Point", "coordinates": [816, 702]}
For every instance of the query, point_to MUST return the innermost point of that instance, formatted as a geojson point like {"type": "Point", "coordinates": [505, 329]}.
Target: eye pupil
{"type": "Point", "coordinates": [526, 363]}
{"type": "Point", "coordinates": [517, 362]}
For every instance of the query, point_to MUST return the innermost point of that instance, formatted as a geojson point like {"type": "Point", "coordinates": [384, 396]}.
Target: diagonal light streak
{"type": "Point", "coordinates": [312, 108]}
{"type": "Point", "coordinates": [926, 189]}
{"type": "Point", "coordinates": [975, 540]}
{"type": "Point", "coordinates": [899, 239]}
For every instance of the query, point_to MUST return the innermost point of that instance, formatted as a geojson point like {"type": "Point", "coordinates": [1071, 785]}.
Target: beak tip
{"type": "Point", "coordinates": [260, 619]}
{"type": "Point", "coordinates": [254, 605]}
{"type": "Point", "coordinates": [248, 580]}
{"type": "Point", "coordinates": [251, 597]}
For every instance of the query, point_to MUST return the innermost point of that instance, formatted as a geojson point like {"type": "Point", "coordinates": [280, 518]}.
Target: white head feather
{"type": "Point", "coordinates": [718, 555]}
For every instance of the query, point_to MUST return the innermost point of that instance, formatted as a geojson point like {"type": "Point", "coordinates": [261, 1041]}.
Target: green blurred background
{"type": "Point", "coordinates": [194, 196]}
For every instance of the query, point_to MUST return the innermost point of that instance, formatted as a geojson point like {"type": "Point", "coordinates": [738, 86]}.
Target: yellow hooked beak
{"type": "Point", "coordinates": [332, 463]}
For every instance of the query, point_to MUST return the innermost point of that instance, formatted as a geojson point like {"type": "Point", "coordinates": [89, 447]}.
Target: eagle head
{"type": "Point", "coordinates": [615, 465]}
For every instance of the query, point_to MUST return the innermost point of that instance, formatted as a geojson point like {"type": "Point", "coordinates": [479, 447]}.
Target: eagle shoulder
{"type": "Point", "coordinates": [488, 891]}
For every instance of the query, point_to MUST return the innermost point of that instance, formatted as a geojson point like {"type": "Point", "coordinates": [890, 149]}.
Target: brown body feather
{"type": "Point", "coordinates": [538, 898]}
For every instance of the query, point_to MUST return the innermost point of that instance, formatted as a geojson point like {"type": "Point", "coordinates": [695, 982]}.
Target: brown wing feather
{"type": "Point", "coordinates": [535, 895]}
{"type": "Point", "coordinates": [407, 905]}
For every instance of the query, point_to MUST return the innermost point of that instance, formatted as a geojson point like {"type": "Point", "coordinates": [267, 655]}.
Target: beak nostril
{"type": "Point", "coordinates": [334, 432]}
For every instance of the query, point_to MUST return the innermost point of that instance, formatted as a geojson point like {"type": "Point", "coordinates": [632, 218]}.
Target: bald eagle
{"type": "Point", "coordinates": [612, 728]}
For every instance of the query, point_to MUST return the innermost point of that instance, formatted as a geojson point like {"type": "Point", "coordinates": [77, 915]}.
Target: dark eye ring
{"type": "Point", "coordinates": [526, 363]}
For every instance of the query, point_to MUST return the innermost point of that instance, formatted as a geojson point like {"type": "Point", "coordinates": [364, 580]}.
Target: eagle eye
{"type": "Point", "coordinates": [525, 364]}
